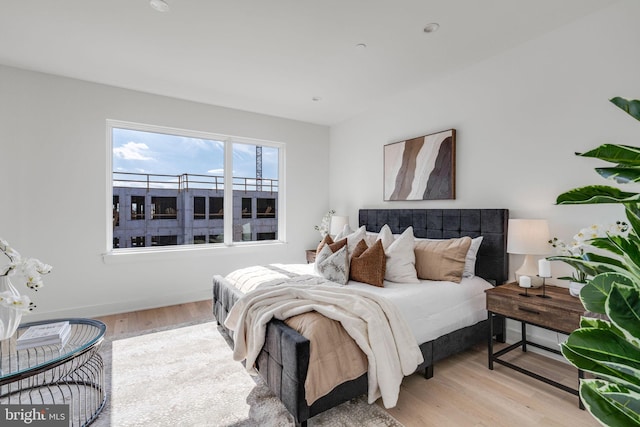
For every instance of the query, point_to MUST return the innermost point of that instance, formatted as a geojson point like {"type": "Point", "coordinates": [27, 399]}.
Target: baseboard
{"type": "Point", "coordinates": [97, 310]}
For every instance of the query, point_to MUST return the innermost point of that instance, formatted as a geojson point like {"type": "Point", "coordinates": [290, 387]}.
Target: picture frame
{"type": "Point", "coordinates": [422, 168]}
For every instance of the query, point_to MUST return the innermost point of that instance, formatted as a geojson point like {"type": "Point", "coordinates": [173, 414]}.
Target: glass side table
{"type": "Point", "coordinates": [72, 374]}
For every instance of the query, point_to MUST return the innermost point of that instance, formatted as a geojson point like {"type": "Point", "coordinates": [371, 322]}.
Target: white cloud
{"type": "Point", "coordinates": [132, 151]}
{"type": "Point", "coordinates": [216, 171]}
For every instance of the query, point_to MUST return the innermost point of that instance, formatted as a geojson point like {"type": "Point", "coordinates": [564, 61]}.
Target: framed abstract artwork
{"type": "Point", "coordinates": [422, 168]}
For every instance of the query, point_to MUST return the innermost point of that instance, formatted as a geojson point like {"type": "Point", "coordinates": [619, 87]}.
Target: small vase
{"type": "Point", "coordinates": [575, 287]}
{"type": "Point", "coordinates": [9, 317]}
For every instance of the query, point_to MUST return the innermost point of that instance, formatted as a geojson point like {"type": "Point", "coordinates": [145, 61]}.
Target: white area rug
{"type": "Point", "coordinates": [187, 377]}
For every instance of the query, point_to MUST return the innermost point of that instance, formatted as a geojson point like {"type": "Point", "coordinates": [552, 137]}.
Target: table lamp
{"type": "Point", "coordinates": [528, 237]}
{"type": "Point", "coordinates": [337, 224]}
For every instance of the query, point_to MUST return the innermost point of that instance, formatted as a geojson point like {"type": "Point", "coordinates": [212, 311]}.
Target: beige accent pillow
{"type": "Point", "coordinates": [441, 259]}
{"type": "Point", "coordinates": [368, 264]}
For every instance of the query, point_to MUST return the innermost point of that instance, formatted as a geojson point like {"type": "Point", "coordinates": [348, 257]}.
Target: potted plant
{"type": "Point", "coordinates": [580, 246]}
{"type": "Point", "coordinates": [609, 348]}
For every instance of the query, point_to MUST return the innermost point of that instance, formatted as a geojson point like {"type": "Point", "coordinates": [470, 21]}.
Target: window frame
{"type": "Point", "coordinates": [112, 254]}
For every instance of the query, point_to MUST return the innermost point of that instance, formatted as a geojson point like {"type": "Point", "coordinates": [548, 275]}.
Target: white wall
{"type": "Point", "coordinates": [54, 201]}
{"type": "Point", "coordinates": [519, 117]}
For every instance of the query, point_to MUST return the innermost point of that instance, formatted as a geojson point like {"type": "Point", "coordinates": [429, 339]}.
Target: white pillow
{"type": "Point", "coordinates": [346, 230]}
{"type": "Point", "coordinates": [354, 238]}
{"type": "Point", "coordinates": [370, 238]}
{"type": "Point", "coordinates": [333, 266]}
{"type": "Point", "coordinates": [470, 260]}
{"type": "Point", "coordinates": [401, 258]}
{"type": "Point", "coordinates": [387, 237]}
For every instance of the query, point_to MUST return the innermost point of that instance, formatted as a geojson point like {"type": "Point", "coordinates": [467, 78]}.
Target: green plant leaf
{"type": "Point", "coordinates": [632, 211]}
{"type": "Point", "coordinates": [594, 194]}
{"type": "Point", "coordinates": [620, 174]}
{"type": "Point", "coordinates": [603, 352]}
{"type": "Point", "coordinates": [611, 404]}
{"type": "Point", "coordinates": [615, 153]}
{"type": "Point", "coordinates": [594, 294]}
{"type": "Point", "coordinates": [632, 107]}
{"type": "Point", "coordinates": [623, 308]}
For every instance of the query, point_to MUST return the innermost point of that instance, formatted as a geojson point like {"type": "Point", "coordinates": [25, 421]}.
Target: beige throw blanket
{"type": "Point", "coordinates": [374, 324]}
{"type": "Point", "coordinates": [334, 357]}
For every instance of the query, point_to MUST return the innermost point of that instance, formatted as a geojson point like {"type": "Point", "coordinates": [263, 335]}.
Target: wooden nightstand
{"type": "Point", "coordinates": [560, 313]}
{"type": "Point", "coordinates": [311, 256]}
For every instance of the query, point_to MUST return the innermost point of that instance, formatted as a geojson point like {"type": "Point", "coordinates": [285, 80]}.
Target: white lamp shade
{"type": "Point", "coordinates": [528, 237]}
{"type": "Point", "coordinates": [337, 224]}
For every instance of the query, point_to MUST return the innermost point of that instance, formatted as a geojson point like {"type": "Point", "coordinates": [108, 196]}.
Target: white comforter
{"type": "Point", "coordinates": [375, 324]}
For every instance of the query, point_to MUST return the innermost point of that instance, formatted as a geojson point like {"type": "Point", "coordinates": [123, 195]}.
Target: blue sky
{"type": "Point", "coordinates": [153, 153]}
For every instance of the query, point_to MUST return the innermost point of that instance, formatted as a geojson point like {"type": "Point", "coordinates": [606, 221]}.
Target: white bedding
{"type": "Point", "coordinates": [431, 308]}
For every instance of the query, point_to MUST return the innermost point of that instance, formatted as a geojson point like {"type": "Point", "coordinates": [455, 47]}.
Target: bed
{"type": "Point", "coordinates": [283, 361]}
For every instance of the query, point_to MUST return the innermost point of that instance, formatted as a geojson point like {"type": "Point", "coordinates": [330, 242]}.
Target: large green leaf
{"type": "Point", "coordinates": [602, 352]}
{"type": "Point", "coordinates": [626, 247]}
{"type": "Point", "coordinates": [620, 174]}
{"type": "Point", "coordinates": [622, 154]}
{"type": "Point", "coordinates": [632, 107]}
{"type": "Point", "coordinates": [611, 404]}
{"type": "Point", "coordinates": [623, 308]}
{"type": "Point", "coordinates": [594, 194]}
{"type": "Point", "coordinates": [632, 211]}
{"type": "Point", "coordinates": [594, 294]}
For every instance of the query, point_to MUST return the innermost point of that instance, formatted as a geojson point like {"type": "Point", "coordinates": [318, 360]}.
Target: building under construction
{"type": "Point", "coordinates": [161, 210]}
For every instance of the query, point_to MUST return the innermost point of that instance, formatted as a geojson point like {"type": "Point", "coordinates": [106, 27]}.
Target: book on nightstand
{"type": "Point", "coordinates": [48, 334]}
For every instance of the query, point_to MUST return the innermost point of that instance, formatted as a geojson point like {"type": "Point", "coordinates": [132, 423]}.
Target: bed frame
{"type": "Point", "coordinates": [284, 359]}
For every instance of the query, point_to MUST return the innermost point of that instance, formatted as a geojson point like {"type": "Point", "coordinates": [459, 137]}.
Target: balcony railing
{"type": "Point", "coordinates": [187, 181]}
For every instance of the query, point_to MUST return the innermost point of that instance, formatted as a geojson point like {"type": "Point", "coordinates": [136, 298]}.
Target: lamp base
{"type": "Point", "coordinates": [529, 268]}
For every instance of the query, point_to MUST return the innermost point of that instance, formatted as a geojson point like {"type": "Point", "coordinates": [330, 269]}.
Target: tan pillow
{"type": "Point", "coordinates": [368, 264]}
{"type": "Point", "coordinates": [325, 240]}
{"type": "Point", "coordinates": [442, 259]}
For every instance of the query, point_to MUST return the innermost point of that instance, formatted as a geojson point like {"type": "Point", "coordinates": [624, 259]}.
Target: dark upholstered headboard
{"type": "Point", "coordinates": [493, 261]}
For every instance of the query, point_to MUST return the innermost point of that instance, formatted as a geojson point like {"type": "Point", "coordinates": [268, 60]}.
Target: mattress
{"type": "Point", "coordinates": [431, 308]}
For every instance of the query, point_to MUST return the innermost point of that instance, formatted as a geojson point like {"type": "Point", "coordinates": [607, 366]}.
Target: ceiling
{"type": "Point", "coordinates": [272, 56]}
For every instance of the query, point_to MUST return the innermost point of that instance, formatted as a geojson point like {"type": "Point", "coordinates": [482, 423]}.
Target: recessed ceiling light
{"type": "Point", "coordinates": [361, 46]}
{"type": "Point", "coordinates": [432, 27]}
{"type": "Point", "coordinates": [159, 5]}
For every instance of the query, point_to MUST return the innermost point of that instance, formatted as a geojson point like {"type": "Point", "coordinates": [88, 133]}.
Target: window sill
{"type": "Point", "coordinates": [118, 256]}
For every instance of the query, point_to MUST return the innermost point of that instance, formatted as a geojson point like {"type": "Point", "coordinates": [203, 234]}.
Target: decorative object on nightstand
{"type": "Point", "coordinates": [338, 224]}
{"type": "Point", "coordinates": [25, 271]}
{"type": "Point", "coordinates": [581, 247]}
{"type": "Point", "coordinates": [528, 237]}
{"type": "Point", "coordinates": [325, 224]}
{"type": "Point", "coordinates": [311, 256]}
{"type": "Point", "coordinates": [525, 283]}
{"type": "Point", "coordinates": [544, 271]}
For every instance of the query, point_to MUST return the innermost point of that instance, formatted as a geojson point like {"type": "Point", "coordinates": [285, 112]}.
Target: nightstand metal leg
{"type": "Point", "coordinates": [490, 344]}
{"type": "Point", "coordinates": [523, 326]}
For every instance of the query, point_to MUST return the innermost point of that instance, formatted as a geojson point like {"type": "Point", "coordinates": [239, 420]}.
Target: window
{"type": "Point", "coordinates": [164, 208]}
{"type": "Point", "coordinates": [115, 208]}
{"type": "Point", "coordinates": [137, 207]}
{"type": "Point", "coordinates": [164, 240]}
{"type": "Point", "coordinates": [216, 207]}
{"type": "Point", "coordinates": [170, 185]}
{"type": "Point", "coordinates": [246, 207]}
{"type": "Point", "coordinates": [199, 208]}
{"type": "Point", "coordinates": [266, 208]}
{"type": "Point", "coordinates": [137, 241]}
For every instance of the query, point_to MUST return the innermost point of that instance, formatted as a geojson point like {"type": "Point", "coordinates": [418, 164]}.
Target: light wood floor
{"type": "Point", "coordinates": [463, 392]}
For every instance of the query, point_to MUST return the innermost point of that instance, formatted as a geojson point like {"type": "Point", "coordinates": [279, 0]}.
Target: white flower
{"type": "Point", "coordinates": [25, 271]}
{"type": "Point", "coordinates": [323, 228]}
{"type": "Point", "coordinates": [581, 241]}
{"type": "Point", "coordinates": [21, 302]}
